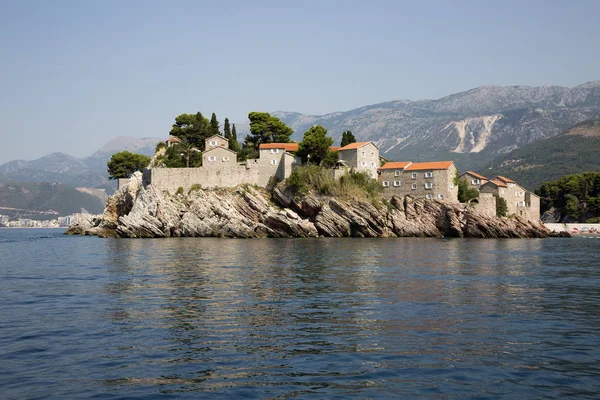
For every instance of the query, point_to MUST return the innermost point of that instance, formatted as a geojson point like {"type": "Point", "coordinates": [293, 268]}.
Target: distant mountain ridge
{"type": "Point", "coordinates": [86, 172]}
{"type": "Point", "coordinates": [481, 122]}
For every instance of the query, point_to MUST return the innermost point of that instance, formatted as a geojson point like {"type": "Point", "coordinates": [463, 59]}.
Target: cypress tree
{"type": "Point", "coordinates": [214, 125]}
{"type": "Point", "coordinates": [233, 143]}
{"type": "Point", "coordinates": [347, 138]}
{"type": "Point", "coordinates": [227, 129]}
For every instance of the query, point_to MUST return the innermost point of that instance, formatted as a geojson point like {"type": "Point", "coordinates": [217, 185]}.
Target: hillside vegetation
{"type": "Point", "coordinates": [48, 196]}
{"type": "Point", "coordinates": [576, 197]}
{"type": "Point", "coordinates": [573, 152]}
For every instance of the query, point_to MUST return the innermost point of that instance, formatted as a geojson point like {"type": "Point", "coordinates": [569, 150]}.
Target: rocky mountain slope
{"type": "Point", "coordinates": [469, 128]}
{"type": "Point", "coordinates": [85, 172]}
{"type": "Point", "coordinates": [574, 151]}
{"type": "Point", "coordinates": [138, 211]}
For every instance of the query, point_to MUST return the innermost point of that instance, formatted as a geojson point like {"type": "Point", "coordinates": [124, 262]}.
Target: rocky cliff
{"type": "Point", "coordinates": [138, 211]}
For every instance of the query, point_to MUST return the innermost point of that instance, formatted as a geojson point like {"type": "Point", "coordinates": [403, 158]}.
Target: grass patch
{"type": "Point", "coordinates": [320, 180]}
{"type": "Point", "coordinates": [195, 188]}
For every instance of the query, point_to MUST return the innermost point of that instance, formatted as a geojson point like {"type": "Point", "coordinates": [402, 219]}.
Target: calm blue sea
{"type": "Point", "coordinates": [82, 317]}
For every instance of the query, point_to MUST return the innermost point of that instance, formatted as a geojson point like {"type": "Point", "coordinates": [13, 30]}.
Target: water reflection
{"type": "Point", "coordinates": [297, 317]}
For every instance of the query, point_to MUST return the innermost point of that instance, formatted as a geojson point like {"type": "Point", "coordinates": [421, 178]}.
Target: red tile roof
{"type": "Point", "coordinates": [334, 148]}
{"type": "Point", "coordinates": [503, 179]}
{"type": "Point", "coordinates": [173, 139]}
{"type": "Point", "coordinates": [498, 183]}
{"type": "Point", "coordinates": [354, 145]}
{"type": "Point", "coordinates": [429, 165]}
{"type": "Point", "coordinates": [476, 175]}
{"type": "Point", "coordinates": [396, 165]}
{"type": "Point", "coordinates": [285, 146]}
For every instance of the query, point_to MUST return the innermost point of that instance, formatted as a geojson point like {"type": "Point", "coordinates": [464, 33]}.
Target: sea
{"type": "Point", "coordinates": [402, 318]}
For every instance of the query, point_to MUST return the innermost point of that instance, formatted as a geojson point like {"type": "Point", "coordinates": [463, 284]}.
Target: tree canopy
{"type": "Point", "coordinates": [265, 128]}
{"type": "Point", "coordinates": [347, 138]}
{"type": "Point", "coordinates": [214, 125]}
{"type": "Point", "coordinates": [576, 196]}
{"type": "Point", "coordinates": [192, 128]}
{"type": "Point", "coordinates": [124, 163]}
{"type": "Point", "coordinates": [314, 148]}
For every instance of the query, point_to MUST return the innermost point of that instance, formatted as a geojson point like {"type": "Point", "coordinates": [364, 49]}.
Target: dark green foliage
{"type": "Point", "coordinates": [214, 125]}
{"type": "Point", "coordinates": [160, 145]}
{"type": "Point", "coordinates": [321, 181]}
{"type": "Point", "coordinates": [124, 163]}
{"type": "Point", "coordinates": [466, 192]}
{"type": "Point", "coordinates": [192, 128]}
{"type": "Point", "coordinates": [501, 206]}
{"type": "Point", "coordinates": [575, 196]}
{"type": "Point", "coordinates": [265, 128]}
{"type": "Point", "coordinates": [179, 190]}
{"type": "Point", "coordinates": [181, 155]}
{"type": "Point", "coordinates": [330, 159]}
{"type": "Point", "coordinates": [347, 138]}
{"type": "Point", "coordinates": [314, 148]}
{"type": "Point", "coordinates": [227, 129]}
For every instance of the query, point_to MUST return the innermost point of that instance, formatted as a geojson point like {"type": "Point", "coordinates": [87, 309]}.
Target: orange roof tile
{"type": "Point", "coordinates": [285, 146]}
{"type": "Point", "coordinates": [498, 183]}
{"type": "Point", "coordinates": [502, 178]}
{"type": "Point", "coordinates": [354, 145]}
{"type": "Point", "coordinates": [396, 165]}
{"type": "Point", "coordinates": [334, 148]}
{"type": "Point", "coordinates": [173, 139]}
{"type": "Point", "coordinates": [475, 174]}
{"type": "Point", "coordinates": [429, 165]}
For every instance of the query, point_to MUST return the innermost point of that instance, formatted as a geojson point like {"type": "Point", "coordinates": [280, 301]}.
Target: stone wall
{"type": "Point", "coordinates": [442, 184]}
{"type": "Point", "coordinates": [172, 178]}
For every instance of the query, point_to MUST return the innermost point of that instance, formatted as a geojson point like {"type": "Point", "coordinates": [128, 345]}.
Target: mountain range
{"type": "Point", "coordinates": [477, 129]}
{"type": "Point", "coordinates": [470, 128]}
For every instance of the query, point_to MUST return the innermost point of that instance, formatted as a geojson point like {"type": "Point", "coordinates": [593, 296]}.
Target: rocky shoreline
{"type": "Point", "coordinates": [142, 211]}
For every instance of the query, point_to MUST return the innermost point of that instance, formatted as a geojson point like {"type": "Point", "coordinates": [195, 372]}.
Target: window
{"type": "Point", "coordinates": [429, 196]}
{"type": "Point", "coordinates": [428, 185]}
{"type": "Point", "coordinates": [274, 151]}
{"type": "Point", "coordinates": [386, 183]}
{"type": "Point", "coordinates": [225, 159]}
{"type": "Point", "coordinates": [274, 162]}
{"type": "Point", "coordinates": [428, 174]}
{"type": "Point", "coordinates": [414, 175]}
{"type": "Point", "coordinates": [414, 186]}
{"type": "Point", "coordinates": [212, 158]}
{"type": "Point", "coordinates": [397, 172]}
{"type": "Point", "coordinates": [441, 196]}
{"type": "Point", "coordinates": [373, 164]}
{"type": "Point", "coordinates": [475, 182]}
{"type": "Point", "coordinates": [364, 164]}
{"type": "Point", "coordinates": [363, 153]}
{"type": "Point", "coordinates": [213, 143]}
{"type": "Point", "coordinates": [451, 185]}
{"type": "Point", "coordinates": [397, 183]}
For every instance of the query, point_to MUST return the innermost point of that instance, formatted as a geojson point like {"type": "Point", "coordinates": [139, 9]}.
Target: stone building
{"type": "Point", "coordinates": [519, 201]}
{"type": "Point", "coordinates": [474, 180]}
{"type": "Point", "coordinates": [361, 156]}
{"type": "Point", "coordinates": [432, 180]}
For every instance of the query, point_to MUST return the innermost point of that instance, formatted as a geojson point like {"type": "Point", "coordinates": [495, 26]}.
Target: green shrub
{"type": "Point", "coordinates": [321, 181]}
{"type": "Point", "coordinates": [160, 145]}
{"type": "Point", "coordinates": [595, 220]}
{"type": "Point", "coordinates": [501, 206]}
{"type": "Point", "coordinates": [195, 188]}
{"type": "Point", "coordinates": [179, 190]}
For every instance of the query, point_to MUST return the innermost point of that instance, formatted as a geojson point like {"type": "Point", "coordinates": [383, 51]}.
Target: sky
{"type": "Point", "coordinates": [76, 74]}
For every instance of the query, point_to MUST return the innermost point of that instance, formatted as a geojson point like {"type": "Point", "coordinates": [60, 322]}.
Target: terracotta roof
{"type": "Point", "coordinates": [173, 139]}
{"type": "Point", "coordinates": [285, 146]}
{"type": "Point", "coordinates": [429, 165]}
{"type": "Point", "coordinates": [354, 145]}
{"type": "Point", "coordinates": [498, 183]}
{"type": "Point", "coordinates": [217, 136]}
{"type": "Point", "coordinates": [476, 175]}
{"type": "Point", "coordinates": [503, 179]}
{"type": "Point", "coordinates": [396, 165]}
{"type": "Point", "coordinates": [334, 148]}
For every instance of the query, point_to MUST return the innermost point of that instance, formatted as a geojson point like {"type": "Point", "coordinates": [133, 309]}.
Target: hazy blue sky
{"type": "Point", "coordinates": [75, 74]}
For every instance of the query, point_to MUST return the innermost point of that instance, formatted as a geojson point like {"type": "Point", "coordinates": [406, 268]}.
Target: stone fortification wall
{"type": "Point", "coordinates": [485, 204]}
{"type": "Point", "coordinates": [172, 178]}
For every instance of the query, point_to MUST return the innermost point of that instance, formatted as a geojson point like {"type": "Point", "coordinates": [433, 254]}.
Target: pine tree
{"type": "Point", "coordinates": [214, 125]}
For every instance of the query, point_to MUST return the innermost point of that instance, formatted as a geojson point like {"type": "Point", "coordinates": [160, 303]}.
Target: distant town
{"type": "Point", "coordinates": [58, 222]}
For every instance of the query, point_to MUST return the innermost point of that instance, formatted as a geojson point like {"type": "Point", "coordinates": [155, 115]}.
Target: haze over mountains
{"type": "Point", "coordinates": [471, 128]}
